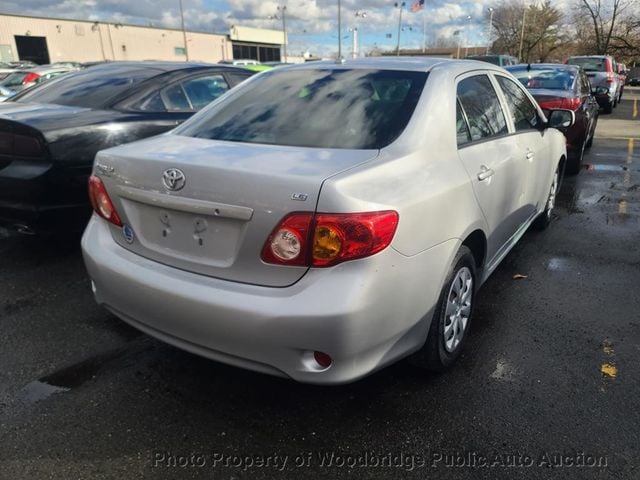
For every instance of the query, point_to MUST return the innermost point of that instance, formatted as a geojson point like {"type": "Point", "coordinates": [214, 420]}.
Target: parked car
{"type": "Point", "coordinates": [324, 220]}
{"type": "Point", "coordinates": [23, 64]}
{"type": "Point", "coordinates": [634, 81]}
{"type": "Point", "coordinates": [603, 75]}
{"type": "Point", "coordinates": [622, 73]}
{"type": "Point", "coordinates": [53, 131]}
{"type": "Point", "coordinates": [239, 62]}
{"type": "Point", "coordinates": [500, 60]}
{"type": "Point", "coordinates": [564, 86]}
{"type": "Point", "coordinates": [12, 83]}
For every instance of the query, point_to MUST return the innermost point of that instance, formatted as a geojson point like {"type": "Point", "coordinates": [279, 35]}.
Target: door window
{"type": "Point", "coordinates": [523, 112]}
{"type": "Point", "coordinates": [482, 107]}
{"type": "Point", "coordinates": [462, 129]}
{"type": "Point", "coordinates": [203, 90]}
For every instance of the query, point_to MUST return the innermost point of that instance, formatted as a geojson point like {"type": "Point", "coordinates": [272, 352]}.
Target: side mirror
{"type": "Point", "coordinates": [561, 118]}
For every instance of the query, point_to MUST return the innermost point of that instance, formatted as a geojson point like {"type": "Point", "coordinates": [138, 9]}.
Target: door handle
{"type": "Point", "coordinates": [530, 154]}
{"type": "Point", "coordinates": [485, 173]}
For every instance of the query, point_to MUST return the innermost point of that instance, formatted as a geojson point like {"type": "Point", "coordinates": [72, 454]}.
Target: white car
{"type": "Point", "coordinates": [323, 220]}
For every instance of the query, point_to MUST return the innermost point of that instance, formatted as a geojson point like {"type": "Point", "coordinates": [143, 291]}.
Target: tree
{"type": "Point", "coordinates": [604, 18]}
{"type": "Point", "coordinates": [533, 32]}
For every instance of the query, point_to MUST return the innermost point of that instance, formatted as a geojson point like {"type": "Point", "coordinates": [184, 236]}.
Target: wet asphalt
{"type": "Point", "coordinates": [548, 386]}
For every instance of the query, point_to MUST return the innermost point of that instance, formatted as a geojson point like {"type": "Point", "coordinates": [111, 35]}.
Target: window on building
{"type": "Point", "coordinates": [179, 51]}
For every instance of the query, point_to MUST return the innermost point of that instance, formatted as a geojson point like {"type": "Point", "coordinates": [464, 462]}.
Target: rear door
{"type": "Point", "coordinates": [491, 159]}
{"type": "Point", "coordinates": [531, 151]}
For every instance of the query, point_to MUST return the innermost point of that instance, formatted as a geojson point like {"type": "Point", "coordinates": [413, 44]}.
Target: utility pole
{"type": "Point", "coordinates": [184, 34]}
{"type": "Point", "coordinates": [401, 6]}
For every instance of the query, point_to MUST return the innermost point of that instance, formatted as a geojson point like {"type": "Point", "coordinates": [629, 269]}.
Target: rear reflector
{"type": "Point", "coordinates": [326, 239]}
{"type": "Point", "coordinates": [561, 103]}
{"type": "Point", "coordinates": [101, 202]}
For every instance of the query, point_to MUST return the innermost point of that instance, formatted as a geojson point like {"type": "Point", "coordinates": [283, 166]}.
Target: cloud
{"type": "Point", "coordinates": [312, 24]}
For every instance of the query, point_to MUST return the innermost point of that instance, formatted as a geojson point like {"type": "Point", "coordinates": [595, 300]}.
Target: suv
{"type": "Point", "coordinates": [602, 71]}
{"type": "Point", "coordinates": [500, 60]}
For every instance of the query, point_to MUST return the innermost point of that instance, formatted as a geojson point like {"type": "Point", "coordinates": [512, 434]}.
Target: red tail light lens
{"type": "Point", "coordinates": [326, 239]}
{"type": "Point", "coordinates": [101, 202]}
{"type": "Point", "coordinates": [31, 77]}
{"type": "Point", "coordinates": [562, 103]}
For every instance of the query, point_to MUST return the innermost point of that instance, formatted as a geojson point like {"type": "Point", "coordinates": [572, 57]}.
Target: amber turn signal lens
{"type": "Point", "coordinates": [327, 243]}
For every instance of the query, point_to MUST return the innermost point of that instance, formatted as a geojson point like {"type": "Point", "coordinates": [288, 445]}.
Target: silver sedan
{"type": "Point", "coordinates": [322, 221]}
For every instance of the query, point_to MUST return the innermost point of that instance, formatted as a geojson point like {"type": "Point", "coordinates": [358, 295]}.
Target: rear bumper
{"type": "Point", "coordinates": [41, 197]}
{"type": "Point", "coordinates": [365, 314]}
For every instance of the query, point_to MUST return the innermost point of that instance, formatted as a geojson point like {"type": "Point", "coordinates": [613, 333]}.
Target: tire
{"type": "Point", "coordinates": [544, 219]}
{"type": "Point", "coordinates": [593, 134]}
{"type": "Point", "coordinates": [574, 164]}
{"type": "Point", "coordinates": [448, 333]}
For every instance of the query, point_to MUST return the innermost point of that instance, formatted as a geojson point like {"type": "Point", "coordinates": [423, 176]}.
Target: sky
{"type": "Point", "coordinates": [311, 24]}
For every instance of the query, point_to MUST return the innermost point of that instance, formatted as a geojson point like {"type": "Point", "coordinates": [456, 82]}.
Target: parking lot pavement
{"type": "Point", "coordinates": [547, 386]}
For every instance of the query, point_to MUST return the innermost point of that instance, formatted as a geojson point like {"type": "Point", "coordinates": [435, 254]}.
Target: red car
{"type": "Point", "coordinates": [567, 87]}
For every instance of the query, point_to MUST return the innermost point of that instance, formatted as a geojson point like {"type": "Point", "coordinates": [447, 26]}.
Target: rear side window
{"type": "Point", "coordinates": [462, 129]}
{"type": "Point", "coordinates": [94, 87]}
{"type": "Point", "coordinates": [482, 107]}
{"type": "Point", "coordinates": [320, 108]}
{"type": "Point", "coordinates": [590, 64]}
{"type": "Point", "coordinates": [523, 112]}
{"type": "Point", "coordinates": [187, 96]}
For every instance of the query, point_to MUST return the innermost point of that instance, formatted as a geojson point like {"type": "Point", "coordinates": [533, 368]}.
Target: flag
{"type": "Point", "coordinates": [417, 6]}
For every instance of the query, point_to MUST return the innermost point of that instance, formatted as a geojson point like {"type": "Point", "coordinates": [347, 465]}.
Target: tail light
{"type": "Point", "coordinates": [101, 202]}
{"type": "Point", "coordinates": [31, 77]}
{"type": "Point", "coordinates": [562, 103]}
{"type": "Point", "coordinates": [326, 239]}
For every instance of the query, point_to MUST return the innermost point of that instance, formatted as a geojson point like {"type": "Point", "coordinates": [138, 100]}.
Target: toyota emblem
{"type": "Point", "coordinates": [173, 179]}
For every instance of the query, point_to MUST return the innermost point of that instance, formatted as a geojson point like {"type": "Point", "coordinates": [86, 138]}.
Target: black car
{"type": "Point", "coordinates": [567, 87]}
{"type": "Point", "coordinates": [49, 134]}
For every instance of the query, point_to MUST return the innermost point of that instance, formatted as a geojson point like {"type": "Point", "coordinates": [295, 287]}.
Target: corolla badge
{"type": "Point", "coordinates": [173, 179]}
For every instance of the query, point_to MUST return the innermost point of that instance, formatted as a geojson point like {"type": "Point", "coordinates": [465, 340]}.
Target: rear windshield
{"type": "Point", "coordinates": [550, 79]}
{"type": "Point", "coordinates": [94, 87]}
{"type": "Point", "coordinates": [359, 109]}
{"type": "Point", "coordinates": [13, 79]}
{"type": "Point", "coordinates": [590, 64]}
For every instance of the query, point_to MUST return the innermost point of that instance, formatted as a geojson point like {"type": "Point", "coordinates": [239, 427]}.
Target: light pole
{"type": "Point", "coordinates": [282, 16]}
{"type": "Point", "coordinates": [490, 29]}
{"type": "Point", "coordinates": [339, 30]}
{"type": "Point", "coordinates": [466, 46]}
{"type": "Point", "coordinates": [399, 5]}
{"type": "Point", "coordinates": [457, 34]}
{"type": "Point", "coordinates": [184, 34]}
{"type": "Point", "coordinates": [356, 31]}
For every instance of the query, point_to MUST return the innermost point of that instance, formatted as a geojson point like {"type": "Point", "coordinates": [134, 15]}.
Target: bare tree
{"type": "Point", "coordinates": [604, 17]}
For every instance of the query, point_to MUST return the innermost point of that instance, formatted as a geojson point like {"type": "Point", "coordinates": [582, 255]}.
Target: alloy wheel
{"type": "Point", "coordinates": [458, 310]}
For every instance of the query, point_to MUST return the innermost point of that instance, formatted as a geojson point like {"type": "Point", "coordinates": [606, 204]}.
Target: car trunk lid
{"type": "Point", "coordinates": [226, 199]}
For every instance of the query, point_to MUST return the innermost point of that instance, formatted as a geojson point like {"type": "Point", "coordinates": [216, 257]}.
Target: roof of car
{"type": "Point", "coordinates": [157, 65]}
{"type": "Point", "coordinates": [419, 64]}
{"type": "Point", "coordinates": [539, 66]}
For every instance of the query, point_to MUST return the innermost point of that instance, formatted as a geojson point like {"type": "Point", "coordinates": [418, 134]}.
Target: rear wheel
{"type": "Point", "coordinates": [593, 134]}
{"type": "Point", "coordinates": [544, 219]}
{"type": "Point", "coordinates": [608, 108]}
{"type": "Point", "coordinates": [574, 163]}
{"type": "Point", "coordinates": [452, 316]}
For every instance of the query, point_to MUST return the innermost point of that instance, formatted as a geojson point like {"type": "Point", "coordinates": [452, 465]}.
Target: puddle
{"type": "Point", "coordinates": [37, 391]}
{"type": "Point", "coordinates": [67, 378]}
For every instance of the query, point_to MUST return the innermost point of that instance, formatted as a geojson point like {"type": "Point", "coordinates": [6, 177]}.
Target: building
{"type": "Point", "coordinates": [49, 40]}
